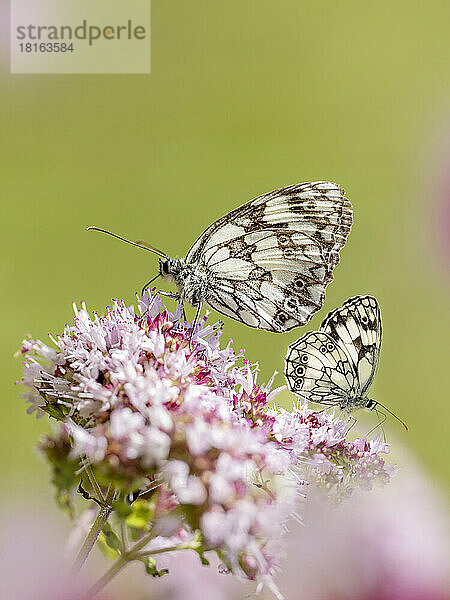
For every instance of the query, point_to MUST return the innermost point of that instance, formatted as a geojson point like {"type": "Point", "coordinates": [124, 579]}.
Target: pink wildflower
{"type": "Point", "coordinates": [168, 417]}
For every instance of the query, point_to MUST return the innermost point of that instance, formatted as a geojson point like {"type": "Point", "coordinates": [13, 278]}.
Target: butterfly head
{"type": "Point", "coordinates": [192, 280]}
{"type": "Point", "coordinates": [164, 267]}
{"type": "Point", "coordinates": [170, 268]}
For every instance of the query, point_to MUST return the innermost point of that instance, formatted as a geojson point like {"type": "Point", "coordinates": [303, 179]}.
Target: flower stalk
{"type": "Point", "coordinates": [135, 554]}
{"type": "Point", "coordinates": [108, 576]}
{"type": "Point", "coordinates": [93, 481]}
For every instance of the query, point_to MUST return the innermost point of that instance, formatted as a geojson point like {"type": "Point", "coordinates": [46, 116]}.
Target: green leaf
{"type": "Point", "coordinates": [64, 502]}
{"type": "Point", "coordinates": [65, 476]}
{"type": "Point", "coordinates": [57, 412]}
{"type": "Point", "coordinates": [151, 568]}
{"type": "Point", "coordinates": [197, 546]}
{"type": "Point", "coordinates": [111, 538]}
{"type": "Point", "coordinates": [203, 559]}
{"type": "Point", "coordinates": [105, 548]}
{"type": "Point", "coordinates": [122, 508]}
{"type": "Point", "coordinates": [140, 515]}
{"type": "Point", "coordinates": [134, 534]}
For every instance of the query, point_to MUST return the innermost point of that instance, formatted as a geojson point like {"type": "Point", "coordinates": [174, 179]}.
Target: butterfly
{"type": "Point", "coordinates": [268, 262]}
{"type": "Point", "coordinates": [336, 365]}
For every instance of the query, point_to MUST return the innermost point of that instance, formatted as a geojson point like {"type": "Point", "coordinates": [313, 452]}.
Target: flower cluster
{"type": "Point", "coordinates": [315, 442]}
{"type": "Point", "coordinates": [317, 445]}
{"type": "Point", "coordinates": [181, 429]}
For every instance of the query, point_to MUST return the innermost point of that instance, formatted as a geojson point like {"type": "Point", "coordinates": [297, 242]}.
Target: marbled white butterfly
{"type": "Point", "coordinates": [268, 262]}
{"type": "Point", "coordinates": [335, 366]}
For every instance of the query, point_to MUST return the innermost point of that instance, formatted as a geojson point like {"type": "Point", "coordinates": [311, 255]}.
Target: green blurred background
{"type": "Point", "coordinates": [243, 97]}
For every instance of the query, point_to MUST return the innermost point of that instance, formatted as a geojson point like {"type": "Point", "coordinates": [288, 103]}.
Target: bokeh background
{"type": "Point", "coordinates": [243, 97]}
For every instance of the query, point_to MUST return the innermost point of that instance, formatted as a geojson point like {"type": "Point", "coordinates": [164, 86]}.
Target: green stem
{"type": "Point", "coordinates": [123, 536]}
{"type": "Point", "coordinates": [94, 532]}
{"type": "Point", "coordinates": [112, 572]}
{"type": "Point", "coordinates": [118, 565]}
{"type": "Point", "coordinates": [92, 479]}
{"type": "Point", "coordinates": [161, 550]}
{"type": "Point", "coordinates": [141, 544]}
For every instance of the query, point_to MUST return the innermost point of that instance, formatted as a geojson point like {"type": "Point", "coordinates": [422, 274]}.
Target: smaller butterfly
{"type": "Point", "coordinates": [335, 366]}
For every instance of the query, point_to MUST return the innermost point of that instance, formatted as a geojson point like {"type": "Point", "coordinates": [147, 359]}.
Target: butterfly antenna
{"type": "Point", "coordinates": [148, 248]}
{"type": "Point", "coordinates": [393, 414]}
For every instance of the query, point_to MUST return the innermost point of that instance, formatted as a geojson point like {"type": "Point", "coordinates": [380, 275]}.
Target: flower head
{"type": "Point", "coordinates": [169, 417]}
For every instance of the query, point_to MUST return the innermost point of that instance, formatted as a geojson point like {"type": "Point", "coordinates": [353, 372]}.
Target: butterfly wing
{"type": "Point", "coordinates": [318, 370]}
{"type": "Point", "coordinates": [356, 326]}
{"type": "Point", "coordinates": [271, 259]}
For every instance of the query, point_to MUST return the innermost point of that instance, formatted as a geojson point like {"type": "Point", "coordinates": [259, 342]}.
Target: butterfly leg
{"type": "Point", "coordinates": [352, 419]}
{"type": "Point", "coordinates": [380, 424]}
{"type": "Point", "coordinates": [175, 296]}
{"type": "Point", "coordinates": [144, 289]}
{"type": "Point", "coordinates": [343, 413]}
{"type": "Point", "coordinates": [146, 311]}
{"type": "Point", "coordinates": [146, 286]}
{"type": "Point", "coordinates": [194, 324]}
